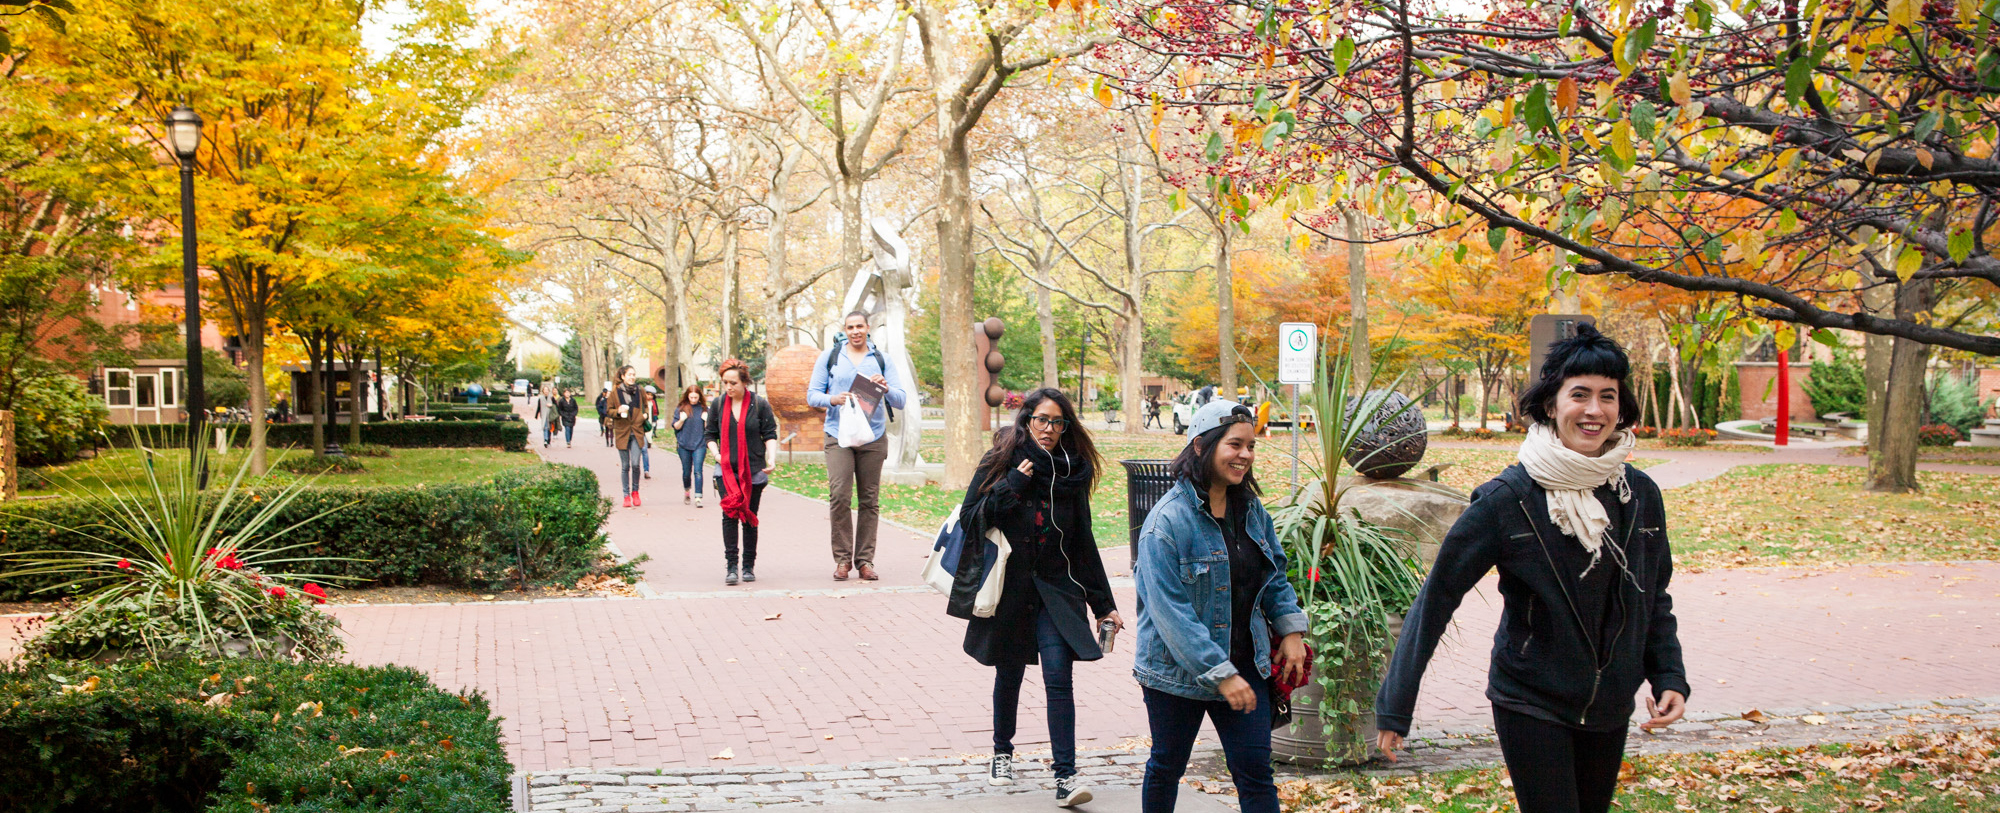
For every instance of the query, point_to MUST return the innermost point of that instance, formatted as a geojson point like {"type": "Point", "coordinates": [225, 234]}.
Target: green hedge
{"type": "Point", "coordinates": [483, 406]}
{"type": "Point", "coordinates": [511, 435]}
{"type": "Point", "coordinates": [549, 517]}
{"type": "Point", "coordinates": [299, 737]}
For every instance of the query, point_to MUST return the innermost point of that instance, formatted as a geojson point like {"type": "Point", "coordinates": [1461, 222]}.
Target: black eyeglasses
{"type": "Point", "coordinates": [1058, 424]}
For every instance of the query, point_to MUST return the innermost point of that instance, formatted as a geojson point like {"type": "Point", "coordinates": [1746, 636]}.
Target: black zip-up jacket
{"type": "Point", "coordinates": [1545, 664]}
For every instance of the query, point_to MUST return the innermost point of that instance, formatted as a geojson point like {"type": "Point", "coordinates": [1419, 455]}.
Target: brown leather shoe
{"type": "Point", "coordinates": [840, 573]}
{"type": "Point", "coordinates": [868, 573]}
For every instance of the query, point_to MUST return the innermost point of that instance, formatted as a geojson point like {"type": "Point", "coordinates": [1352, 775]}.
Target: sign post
{"type": "Point", "coordinates": [1298, 357]}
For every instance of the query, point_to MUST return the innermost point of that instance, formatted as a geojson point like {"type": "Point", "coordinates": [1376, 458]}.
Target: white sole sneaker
{"type": "Point", "coordinates": [1081, 796]}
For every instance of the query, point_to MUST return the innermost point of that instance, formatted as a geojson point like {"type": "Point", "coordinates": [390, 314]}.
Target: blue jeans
{"type": "Point", "coordinates": [691, 460]}
{"type": "Point", "coordinates": [628, 466]}
{"type": "Point", "coordinates": [569, 431]}
{"type": "Point", "coordinates": [1057, 660]}
{"type": "Point", "coordinates": [1246, 744]}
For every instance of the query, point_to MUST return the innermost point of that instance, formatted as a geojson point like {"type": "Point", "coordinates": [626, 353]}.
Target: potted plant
{"type": "Point", "coordinates": [179, 571]}
{"type": "Point", "coordinates": [1109, 401]}
{"type": "Point", "coordinates": [1355, 579]}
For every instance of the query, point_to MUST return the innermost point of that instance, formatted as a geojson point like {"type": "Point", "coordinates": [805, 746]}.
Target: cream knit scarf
{"type": "Point", "coordinates": [1570, 477]}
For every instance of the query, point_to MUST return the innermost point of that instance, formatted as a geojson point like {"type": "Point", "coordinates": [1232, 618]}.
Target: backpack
{"type": "Point", "coordinates": [832, 355]}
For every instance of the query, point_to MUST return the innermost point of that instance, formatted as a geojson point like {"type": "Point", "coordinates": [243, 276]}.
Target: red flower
{"type": "Point", "coordinates": [277, 591]}
{"type": "Point", "coordinates": [319, 595]}
{"type": "Point", "coordinates": [124, 564]}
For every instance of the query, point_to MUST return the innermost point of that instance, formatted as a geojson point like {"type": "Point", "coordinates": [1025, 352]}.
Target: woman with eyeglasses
{"type": "Point", "coordinates": [1034, 486]}
{"type": "Point", "coordinates": [1212, 597]}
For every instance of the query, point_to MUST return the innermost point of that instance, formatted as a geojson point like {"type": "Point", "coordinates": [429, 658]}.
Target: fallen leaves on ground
{"type": "Point", "coordinates": [1942, 771]}
{"type": "Point", "coordinates": [1784, 514]}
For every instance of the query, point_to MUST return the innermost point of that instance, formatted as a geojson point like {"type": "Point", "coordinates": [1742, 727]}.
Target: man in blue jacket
{"type": "Point", "coordinates": [857, 468]}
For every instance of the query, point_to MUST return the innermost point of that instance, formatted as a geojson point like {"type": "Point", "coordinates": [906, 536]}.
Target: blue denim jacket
{"type": "Point", "coordinates": [1184, 601]}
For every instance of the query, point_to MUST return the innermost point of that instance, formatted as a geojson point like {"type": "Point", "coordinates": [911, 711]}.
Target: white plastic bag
{"type": "Point", "coordinates": [854, 428]}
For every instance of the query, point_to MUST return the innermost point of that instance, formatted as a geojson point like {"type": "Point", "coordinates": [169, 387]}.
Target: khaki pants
{"type": "Point", "coordinates": [847, 468]}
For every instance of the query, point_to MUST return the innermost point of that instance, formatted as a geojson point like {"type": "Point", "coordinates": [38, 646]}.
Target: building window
{"type": "Point", "coordinates": [170, 387]}
{"type": "Point", "coordinates": [118, 388]}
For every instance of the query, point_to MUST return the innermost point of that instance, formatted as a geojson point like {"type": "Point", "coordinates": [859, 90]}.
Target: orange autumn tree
{"type": "Point", "coordinates": [1467, 303]}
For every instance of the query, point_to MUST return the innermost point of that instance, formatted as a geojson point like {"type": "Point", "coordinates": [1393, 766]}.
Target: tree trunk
{"type": "Point", "coordinates": [1486, 384]}
{"type": "Point", "coordinates": [1045, 315]}
{"type": "Point", "coordinates": [730, 283]}
{"type": "Point", "coordinates": [955, 283]}
{"type": "Point", "coordinates": [260, 395]}
{"type": "Point", "coordinates": [1892, 438]}
{"type": "Point", "coordinates": [851, 226]}
{"type": "Point", "coordinates": [357, 384]}
{"type": "Point", "coordinates": [1225, 310]}
{"type": "Point", "coordinates": [1357, 297]}
{"type": "Point", "coordinates": [1879, 300]}
{"type": "Point", "coordinates": [314, 362]}
{"type": "Point", "coordinates": [776, 239]}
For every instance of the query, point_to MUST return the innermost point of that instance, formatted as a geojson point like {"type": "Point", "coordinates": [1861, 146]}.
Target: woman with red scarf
{"type": "Point", "coordinates": [744, 436]}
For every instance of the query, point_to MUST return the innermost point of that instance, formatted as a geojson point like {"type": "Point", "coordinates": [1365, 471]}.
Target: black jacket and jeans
{"type": "Point", "coordinates": [1572, 648]}
{"type": "Point", "coordinates": [1054, 577]}
{"type": "Point", "coordinates": [748, 461]}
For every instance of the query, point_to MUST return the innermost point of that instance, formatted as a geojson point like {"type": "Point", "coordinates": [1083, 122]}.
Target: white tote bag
{"type": "Point", "coordinates": [942, 569]}
{"type": "Point", "coordinates": [854, 428]}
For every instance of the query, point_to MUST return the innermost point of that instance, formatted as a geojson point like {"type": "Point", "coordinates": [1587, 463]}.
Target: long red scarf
{"type": "Point", "coordinates": [736, 464]}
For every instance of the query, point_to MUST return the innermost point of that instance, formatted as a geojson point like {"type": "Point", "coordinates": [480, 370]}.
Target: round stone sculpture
{"type": "Point", "coordinates": [1391, 440]}
{"type": "Point", "coordinates": [786, 377]}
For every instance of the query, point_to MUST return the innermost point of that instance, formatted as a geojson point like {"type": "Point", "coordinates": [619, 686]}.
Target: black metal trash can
{"type": "Point", "coordinates": [1146, 481]}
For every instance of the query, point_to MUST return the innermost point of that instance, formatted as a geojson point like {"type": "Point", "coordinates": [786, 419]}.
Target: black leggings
{"type": "Point", "coordinates": [1558, 769]}
{"type": "Point", "coordinates": [731, 527]}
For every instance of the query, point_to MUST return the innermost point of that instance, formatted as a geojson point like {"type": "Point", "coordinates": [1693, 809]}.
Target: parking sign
{"type": "Point", "coordinates": [1298, 351]}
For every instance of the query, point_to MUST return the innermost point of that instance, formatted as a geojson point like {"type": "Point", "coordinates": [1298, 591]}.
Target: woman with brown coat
{"type": "Point", "coordinates": [630, 408]}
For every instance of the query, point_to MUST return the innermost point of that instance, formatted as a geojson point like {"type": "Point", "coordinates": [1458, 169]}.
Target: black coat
{"type": "Point", "coordinates": [1544, 663]}
{"type": "Point", "coordinates": [760, 427]}
{"type": "Point", "coordinates": [566, 408]}
{"type": "Point", "coordinates": [1061, 573]}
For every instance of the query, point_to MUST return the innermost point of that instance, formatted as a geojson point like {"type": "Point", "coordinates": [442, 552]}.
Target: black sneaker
{"type": "Point", "coordinates": [1001, 770]}
{"type": "Point", "coordinates": [731, 578]}
{"type": "Point", "coordinates": [748, 574]}
{"type": "Point", "coordinates": [1070, 792]}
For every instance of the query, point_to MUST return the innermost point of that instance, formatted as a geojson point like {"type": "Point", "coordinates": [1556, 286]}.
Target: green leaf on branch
{"type": "Point", "coordinates": [1639, 42]}
{"type": "Point", "coordinates": [1798, 80]}
{"type": "Point", "coordinates": [1538, 114]}
{"type": "Point", "coordinates": [1343, 55]}
{"type": "Point", "coordinates": [1215, 150]}
{"type": "Point", "coordinates": [1496, 237]}
{"type": "Point", "coordinates": [1825, 337]}
{"type": "Point", "coordinates": [1645, 118]}
{"type": "Point", "coordinates": [1961, 246]}
{"type": "Point", "coordinates": [1926, 125]}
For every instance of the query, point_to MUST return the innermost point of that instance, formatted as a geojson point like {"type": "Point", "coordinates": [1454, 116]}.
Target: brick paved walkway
{"type": "Point", "coordinates": [797, 669]}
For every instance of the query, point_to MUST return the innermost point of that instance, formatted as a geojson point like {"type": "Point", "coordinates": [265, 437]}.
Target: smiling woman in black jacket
{"type": "Point", "coordinates": [1034, 485]}
{"type": "Point", "coordinates": [1579, 537]}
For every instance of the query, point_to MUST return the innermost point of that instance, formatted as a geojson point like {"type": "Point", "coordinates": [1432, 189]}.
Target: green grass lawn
{"type": "Point", "coordinates": [1791, 514]}
{"type": "Point", "coordinates": [1918, 773]}
{"type": "Point", "coordinates": [925, 507]}
{"type": "Point", "coordinates": [121, 470]}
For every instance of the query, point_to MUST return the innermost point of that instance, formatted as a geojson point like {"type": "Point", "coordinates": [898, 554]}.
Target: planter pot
{"type": "Point", "coordinates": [1310, 738]}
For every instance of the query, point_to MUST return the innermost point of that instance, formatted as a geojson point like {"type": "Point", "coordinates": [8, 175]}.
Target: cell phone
{"type": "Point", "coordinates": [1107, 634]}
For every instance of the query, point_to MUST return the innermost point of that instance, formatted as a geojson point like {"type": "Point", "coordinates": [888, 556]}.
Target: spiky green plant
{"type": "Point", "coordinates": [1351, 574]}
{"type": "Point", "coordinates": [187, 571]}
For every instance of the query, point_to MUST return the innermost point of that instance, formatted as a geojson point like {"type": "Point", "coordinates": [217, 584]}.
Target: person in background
{"type": "Point", "coordinates": [628, 405]}
{"type": "Point", "coordinates": [744, 436]}
{"type": "Point", "coordinates": [652, 420]}
{"type": "Point", "coordinates": [690, 422]}
{"type": "Point", "coordinates": [545, 411]}
{"type": "Point", "coordinates": [1212, 595]}
{"type": "Point", "coordinates": [566, 409]}
{"type": "Point", "coordinates": [604, 412]}
{"type": "Point", "coordinates": [856, 469]}
{"type": "Point", "coordinates": [1579, 537]}
{"type": "Point", "coordinates": [1034, 486]}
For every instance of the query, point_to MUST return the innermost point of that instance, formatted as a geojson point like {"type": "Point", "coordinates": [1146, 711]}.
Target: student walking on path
{"type": "Point", "coordinates": [744, 434]}
{"type": "Point", "coordinates": [1212, 595]}
{"type": "Point", "coordinates": [1034, 486]}
{"type": "Point", "coordinates": [630, 422]}
{"type": "Point", "coordinates": [855, 470]}
{"type": "Point", "coordinates": [604, 412]}
{"type": "Point", "coordinates": [690, 423]}
{"type": "Point", "coordinates": [1579, 537]}
{"type": "Point", "coordinates": [566, 409]}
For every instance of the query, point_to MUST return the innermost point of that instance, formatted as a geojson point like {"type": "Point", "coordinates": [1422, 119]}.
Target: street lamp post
{"type": "Point", "coordinates": [184, 133]}
{"type": "Point", "coordinates": [1082, 357]}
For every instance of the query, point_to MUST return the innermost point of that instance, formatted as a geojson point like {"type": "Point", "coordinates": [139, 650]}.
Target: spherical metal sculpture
{"type": "Point", "coordinates": [1391, 440]}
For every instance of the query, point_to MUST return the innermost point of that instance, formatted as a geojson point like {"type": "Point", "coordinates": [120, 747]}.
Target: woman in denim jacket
{"type": "Point", "coordinates": [1212, 592]}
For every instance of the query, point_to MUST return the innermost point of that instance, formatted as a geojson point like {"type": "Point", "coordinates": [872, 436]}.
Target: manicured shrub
{"type": "Point", "coordinates": [243, 736]}
{"type": "Point", "coordinates": [320, 464]}
{"type": "Point", "coordinates": [1839, 386]}
{"type": "Point", "coordinates": [367, 450]}
{"type": "Point", "coordinates": [1687, 437]}
{"type": "Point", "coordinates": [545, 520]}
{"type": "Point", "coordinates": [1482, 433]}
{"type": "Point", "coordinates": [509, 435]}
{"type": "Point", "coordinates": [1938, 434]}
{"type": "Point", "coordinates": [55, 419]}
{"type": "Point", "coordinates": [1645, 432]}
{"type": "Point", "coordinates": [1954, 402]}
{"type": "Point", "coordinates": [1453, 431]}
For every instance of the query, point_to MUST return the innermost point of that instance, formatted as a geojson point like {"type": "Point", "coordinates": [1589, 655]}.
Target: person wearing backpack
{"type": "Point", "coordinates": [858, 468]}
